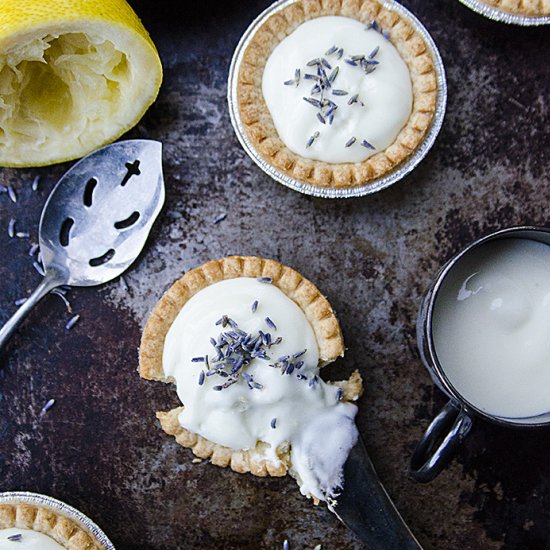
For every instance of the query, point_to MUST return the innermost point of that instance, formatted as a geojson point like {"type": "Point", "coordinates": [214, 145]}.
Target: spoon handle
{"type": "Point", "coordinates": [49, 282]}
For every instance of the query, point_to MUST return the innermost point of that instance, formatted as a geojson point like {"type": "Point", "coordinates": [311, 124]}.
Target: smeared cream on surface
{"type": "Point", "coordinates": [276, 399]}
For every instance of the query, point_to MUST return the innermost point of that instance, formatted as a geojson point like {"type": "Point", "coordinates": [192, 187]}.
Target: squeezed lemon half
{"type": "Point", "coordinates": [74, 75]}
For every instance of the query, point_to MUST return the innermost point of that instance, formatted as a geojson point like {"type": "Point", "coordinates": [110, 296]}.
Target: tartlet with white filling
{"type": "Point", "coordinates": [243, 339]}
{"type": "Point", "coordinates": [337, 137]}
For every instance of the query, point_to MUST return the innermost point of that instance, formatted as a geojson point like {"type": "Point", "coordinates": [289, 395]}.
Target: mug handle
{"type": "Point", "coordinates": [449, 428]}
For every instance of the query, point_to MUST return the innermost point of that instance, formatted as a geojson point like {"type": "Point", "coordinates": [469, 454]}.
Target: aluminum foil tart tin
{"type": "Point", "coordinates": [345, 192]}
{"type": "Point", "coordinates": [497, 14]}
{"type": "Point", "coordinates": [23, 497]}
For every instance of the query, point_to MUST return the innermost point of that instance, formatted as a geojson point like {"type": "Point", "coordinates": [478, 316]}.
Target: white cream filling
{"type": "Point", "coordinates": [384, 96]}
{"type": "Point", "coordinates": [15, 538]}
{"type": "Point", "coordinates": [280, 408]}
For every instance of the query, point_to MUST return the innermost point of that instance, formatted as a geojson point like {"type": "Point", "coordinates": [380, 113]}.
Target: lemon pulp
{"type": "Point", "coordinates": [69, 87]}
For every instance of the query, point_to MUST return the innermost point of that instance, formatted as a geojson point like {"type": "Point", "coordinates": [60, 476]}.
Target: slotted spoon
{"type": "Point", "coordinates": [97, 219]}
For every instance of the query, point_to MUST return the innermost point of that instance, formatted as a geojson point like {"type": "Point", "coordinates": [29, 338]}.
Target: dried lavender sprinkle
{"type": "Point", "coordinates": [33, 249]}
{"type": "Point", "coordinates": [35, 183]}
{"type": "Point", "coordinates": [339, 394]}
{"type": "Point", "coordinates": [340, 53]}
{"type": "Point", "coordinates": [197, 360]}
{"type": "Point", "coordinates": [313, 101]}
{"type": "Point", "coordinates": [331, 50]}
{"type": "Point", "coordinates": [350, 141]}
{"type": "Point", "coordinates": [124, 284]}
{"type": "Point", "coordinates": [231, 323]}
{"type": "Point", "coordinates": [49, 404]}
{"type": "Point", "coordinates": [201, 378]}
{"type": "Point", "coordinates": [268, 280]}
{"type": "Point", "coordinates": [11, 228]}
{"type": "Point", "coordinates": [60, 293]}
{"type": "Point", "coordinates": [270, 323]}
{"type": "Point", "coordinates": [254, 306]}
{"type": "Point", "coordinates": [220, 218]}
{"type": "Point", "coordinates": [374, 25]}
{"type": "Point", "coordinates": [321, 119]}
{"type": "Point", "coordinates": [368, 145]}
{"type": "Point", "coordinates": [72, 322]}
{"type": "Point", "coordinates": [15, 538]}
{"type": "Point", "coordinates": [11, 193]}
{"type": "Point", "coordinates": [372, 54]}
{"type": "Point", "coordinates": [223, 321]}
{"type": "Point", "coordinates": [22, 234]}
{"type": "Point", "coordinates": [333, 75]}
{"type": "Point", "coordinates": [39, 268]}
{"type": "Point", "coordinates": [20, 302]}
{"type": "Point", "coordinates": [368, 68]}
{"type": "Point", "coordinates": [312, 139]}
{"type": "Point", "coordinates": [273, 423]}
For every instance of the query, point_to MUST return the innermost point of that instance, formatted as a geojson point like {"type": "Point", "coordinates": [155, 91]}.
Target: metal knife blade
{"type": "Point", "coordinates": [365, 507]}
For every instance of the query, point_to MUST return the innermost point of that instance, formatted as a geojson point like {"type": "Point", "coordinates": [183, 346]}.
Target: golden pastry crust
{"type": "Point", "coordinates": [522, 7]}
{"type": "Point", "coordinates": [303, 292]}
{"type": "Point", "coordinates": [44, 520]}
{"type": "Point", "coordinates": [259, 125]}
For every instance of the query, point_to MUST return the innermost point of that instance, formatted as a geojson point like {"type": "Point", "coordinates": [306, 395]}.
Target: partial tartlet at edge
{"type": "Point", "coordinates": [46, 521]}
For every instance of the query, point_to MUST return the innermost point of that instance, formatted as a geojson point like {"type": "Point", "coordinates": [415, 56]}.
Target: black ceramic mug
{"type": "Point", "coordinates": [447, 431]}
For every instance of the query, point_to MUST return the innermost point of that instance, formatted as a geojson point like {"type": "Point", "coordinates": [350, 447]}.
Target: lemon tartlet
{"type": "Point", "coordinates": [243, 339]}
{"type": "Point", "coordinates": [336, 93]}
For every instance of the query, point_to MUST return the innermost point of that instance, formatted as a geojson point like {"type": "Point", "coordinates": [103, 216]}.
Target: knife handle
{"type": "Point", "coordinates": [448, 429]}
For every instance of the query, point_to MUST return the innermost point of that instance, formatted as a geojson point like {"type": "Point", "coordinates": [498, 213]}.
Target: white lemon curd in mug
{"type": "Point", "coordinates": [491, 327]}
{"type": "Point", "coordinates": [266, 388]}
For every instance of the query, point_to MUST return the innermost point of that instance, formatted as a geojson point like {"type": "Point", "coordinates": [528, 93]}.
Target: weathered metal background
{"type": "Point", "coordinates": [100, 448]}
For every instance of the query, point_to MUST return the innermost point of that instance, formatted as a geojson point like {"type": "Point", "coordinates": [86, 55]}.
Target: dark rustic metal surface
{"type": "Point", "coordinates": [100, 449]}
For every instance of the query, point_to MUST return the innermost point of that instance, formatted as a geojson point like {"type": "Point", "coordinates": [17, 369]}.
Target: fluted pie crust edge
{"type": "Point", "coordinates": [257, 120]}
{"type": "Point", "coordinates": [63, 530]}
{"type": "Point", "coordinates": [531, 8]}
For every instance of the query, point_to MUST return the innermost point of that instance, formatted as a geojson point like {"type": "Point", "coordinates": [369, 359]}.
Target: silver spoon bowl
{"type": "Point", "coordinates": [97, 219]}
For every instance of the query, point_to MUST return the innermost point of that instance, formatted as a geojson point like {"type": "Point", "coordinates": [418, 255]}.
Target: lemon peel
{"type": "Point", "coordinates": [74, 75]}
